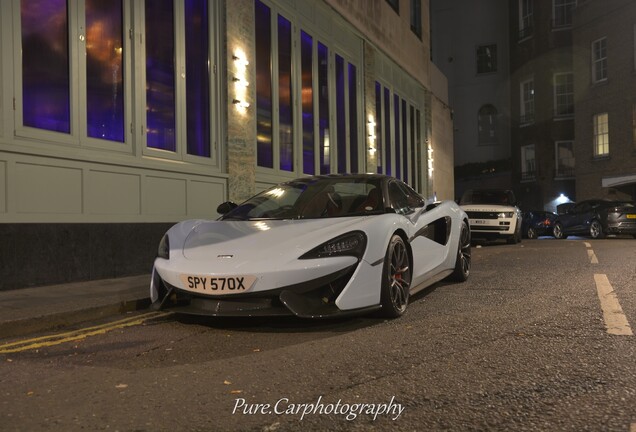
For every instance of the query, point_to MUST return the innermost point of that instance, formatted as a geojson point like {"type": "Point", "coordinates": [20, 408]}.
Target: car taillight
{"type": "Point", "coordinates": [547, 222]}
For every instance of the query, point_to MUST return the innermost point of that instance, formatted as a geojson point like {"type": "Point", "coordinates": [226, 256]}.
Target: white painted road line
{"type": "Point", "coordinates": [632, 428]}
{"type": "Point", "coordinates": [615, 319]}
{"type": "Point", "coordinates": [587, 245]}
{"type": "Point", "coordinates": [592, 256]}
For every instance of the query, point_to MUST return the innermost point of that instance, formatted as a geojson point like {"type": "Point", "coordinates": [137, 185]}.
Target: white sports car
{"type": "Point", "coordinates": [314, 247]}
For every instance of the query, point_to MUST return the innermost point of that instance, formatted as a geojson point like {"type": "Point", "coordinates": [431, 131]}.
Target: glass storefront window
{"type": "Point", "coordinates": [197, 59]}
{"type": "Point", "coordinates": [285, 118]}
{"type": "Point", "coordinates": [160, 75]}
{"type": "Point", "coordinates": [264, 143]}
{"type": "Point", "coordinates": [307, 96]}
{"type": "Point", "coordinates": [341, 118]}
{"type": "Point", "coordinates": [353, 119]}
{"type": "Point", "coordinates": [45, 66]}
{"type": "Point", "coordinates": [104, 70]}
{"type": "Point", "coordinates": [323, 109]}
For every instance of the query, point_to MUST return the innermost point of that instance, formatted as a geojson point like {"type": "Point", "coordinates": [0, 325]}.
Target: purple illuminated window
{"type": "Point", "coordinates": [353, 119]}
{"type": "Point", "coordinates": [398, 142]}
{"type": "Point", "coordinates": [307, 96]}
{"type": "Point", "coordinates": [387, 130]}
{"type": "Point", "coordinates": [378, 125]}
{"type": "Point", "coordinates": [414, 180]}
{"type": "Point", "coordinates": [197, 58]}
{"type": "Point", "coordinates": [263, 28]}
{"type": "Point", "coordinates": [341, 118]}
{"type": "Point", "coordinates": [104, 70]}
{"type": "Point", "coordinates": [285, 118]}
{"type": "Point", "coordinates": [45, 66]}
{"type": "Point", "coordinates": [160, 80]}
{"type": "Point", "coordinates": [323, 109]}
{"type": "Point", "coordinates": [405, 143]}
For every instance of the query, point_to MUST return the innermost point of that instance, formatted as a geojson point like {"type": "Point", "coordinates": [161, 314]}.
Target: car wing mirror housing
{"type": "Point", "coordinates": [226, 207]}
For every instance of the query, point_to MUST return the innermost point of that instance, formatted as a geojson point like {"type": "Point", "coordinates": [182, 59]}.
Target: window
{"type": "Point", "coordinates": [563, 94]}
{"type": "Point", "coordinates": [528, 166]}
{"type": "Point", "coordinates": [487, 125]}
{"type": "Point", "coordinates": [486, 59]}
{"type": "Point", "coordinates": [562, 13]}
{"type": "Point", "coordinates": [75, 70]}
{"type": "Point", "coordinates": [324, 144]}
{"type": "Point", "coordinates": [525, 18]}
{"type": "Point", "coordinates": [564, 151]}
{"type": "Point", "coordinates": [285, 90]}
{"type": "Point", "coordinates": [388, 147]}
{"type": "Point", "coordinates": [398, 136]}
{"type": "Point", "coordinates": [599, 60]}
{"type": "Point", "coordinates": [416, 17]}
{"type": "Point", "coordinates": [527, 102]}
{"type": "Point", "coordinates": [307, 102]}
{"type": "Point", "coordinates": [601, 134]}
{"type": "Point", "coordinates": [379, 136]}
{"type": "Point", "coordinates": [264, 103]}
{"type": "Point", "coordinates": [46, 80]}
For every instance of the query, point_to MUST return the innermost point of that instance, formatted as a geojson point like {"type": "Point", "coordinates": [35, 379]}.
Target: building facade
{"type": "Point", "coordinates": [605, 87]}
{"type": "Point", "coordinates": [470, 45]}
{"type": "Point", "coordinates": [542, 101]}
{"type": "Point", "coordinates": [120, 118]}
{"type": "Point", "coordinates": [573, 87]}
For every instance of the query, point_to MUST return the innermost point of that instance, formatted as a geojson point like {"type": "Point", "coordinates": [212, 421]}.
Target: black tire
{"type": "Point", "coordinates": [396, 279]}
{"type": "Point", "coordinates": [531, 233]}
{"type": "Point", "coordinates": [596, 230]}
{"type": "Point", "coordinates": [557, 231]}
{"type": "Point", "coordinates": [462, 263]}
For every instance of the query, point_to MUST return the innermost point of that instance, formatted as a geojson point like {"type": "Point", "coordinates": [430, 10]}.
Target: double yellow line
{"type": "Point", "coordinates": [60, 338]}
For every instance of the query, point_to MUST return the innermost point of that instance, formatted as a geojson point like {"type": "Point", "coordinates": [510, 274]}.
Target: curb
{"type": "Point", "coordinates": [21, 327]}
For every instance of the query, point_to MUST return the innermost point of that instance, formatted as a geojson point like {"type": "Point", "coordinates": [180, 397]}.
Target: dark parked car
{"type": "Point", "coordinates": [537, 223]}
{"type": "Point", "coordinates": [597, 218]}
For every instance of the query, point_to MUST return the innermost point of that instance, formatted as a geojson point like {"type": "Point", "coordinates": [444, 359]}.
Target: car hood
{"type": "Point", "coordinates": [244, 241]}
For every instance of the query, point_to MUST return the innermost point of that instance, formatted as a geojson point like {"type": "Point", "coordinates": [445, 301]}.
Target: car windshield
{"type": "Point", "coordinates": [313, 198]}
{"type": "Point", "coordinates": [500, 197]}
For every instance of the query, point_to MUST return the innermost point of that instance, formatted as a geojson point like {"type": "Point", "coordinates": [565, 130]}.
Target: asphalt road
{"type": "Point", "coordinates": [523, 345]}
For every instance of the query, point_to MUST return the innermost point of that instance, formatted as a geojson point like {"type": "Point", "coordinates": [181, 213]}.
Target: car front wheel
{"type": "Point", "coordinates": [396, 278]}
{"type": "Point", "coordinates": [531, 234]}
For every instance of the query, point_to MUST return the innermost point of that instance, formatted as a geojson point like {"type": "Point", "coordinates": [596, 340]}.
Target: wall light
{"type": "Point", "coordinates": [430, 160]}
{"type": "Point", "coordinates": [371, 134]}
{"type": "Point", "coordinates": [240, 81]}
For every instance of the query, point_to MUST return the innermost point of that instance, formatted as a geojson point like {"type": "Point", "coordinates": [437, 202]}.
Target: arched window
{"type": "Point", "coordinates": [487, 124]}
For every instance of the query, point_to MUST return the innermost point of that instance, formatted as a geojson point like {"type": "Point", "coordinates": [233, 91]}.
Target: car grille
{"type": "Point", "coordinates": [482, 215]}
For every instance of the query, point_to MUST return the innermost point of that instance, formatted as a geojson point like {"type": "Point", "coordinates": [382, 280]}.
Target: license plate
{"type": "Point", "coordinates": [218, 285]}
{"type": "Point", "coordinates": [479, 222]}
{"type": "Point", "coordinates": [631, 216]}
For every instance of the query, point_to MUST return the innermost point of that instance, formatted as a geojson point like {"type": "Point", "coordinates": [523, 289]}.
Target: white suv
{"type": "Point", "coordinates": [492, 214]}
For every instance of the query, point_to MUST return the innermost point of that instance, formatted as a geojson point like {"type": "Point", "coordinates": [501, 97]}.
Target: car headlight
{"type": "Point", "coordinates": [350, 244]}
{"type": "Point", "coordinates": [164, 247]}
{"type": "Point", "coordinates": [505, 215]}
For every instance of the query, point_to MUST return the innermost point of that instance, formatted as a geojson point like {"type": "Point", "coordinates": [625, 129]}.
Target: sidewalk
{"type": "Point", "coordinates": [30, 310]}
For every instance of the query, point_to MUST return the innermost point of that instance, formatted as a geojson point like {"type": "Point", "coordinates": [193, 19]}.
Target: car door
{"type": "Point", "coordinates": [429, 252]}
{"type": "Point", "coordinates": [579, 217]}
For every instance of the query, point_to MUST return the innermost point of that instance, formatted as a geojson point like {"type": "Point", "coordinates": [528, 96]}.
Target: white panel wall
{"type": "Point", "coordinates": [48, 190]}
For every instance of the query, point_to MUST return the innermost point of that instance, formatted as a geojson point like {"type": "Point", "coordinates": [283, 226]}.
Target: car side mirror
{"type": "Point", "coordinates": [226, 207]}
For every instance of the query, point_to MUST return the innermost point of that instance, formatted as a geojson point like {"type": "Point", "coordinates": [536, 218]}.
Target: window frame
{"type": "Point", "coordinates": [567, 7]}
{"type": "Point", "coordinates": [416, 17]}
{"type": "Point", "coordinates": [481, 56]}
{"type": "Point", "coordinates": [528, 174]}
{"type": "Point", "coordinates": [601, 149]}
{"type": "Point", "coordinates": [493, 115]}
{"type": "Point", "coordinates": [600, 61]}
{"type": "Point", "coordinates": [526, 106]}
{"type": "Point", "coordinates": [557, 159]}
{"type": "Point", "coordinates": [134, 79]}
{"type": "Point", "coordinates": [525, 19]}
{"type": "Point", "coordinates": [302, 25]}
{"type": "Point", "coordinates": [569, 95]}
